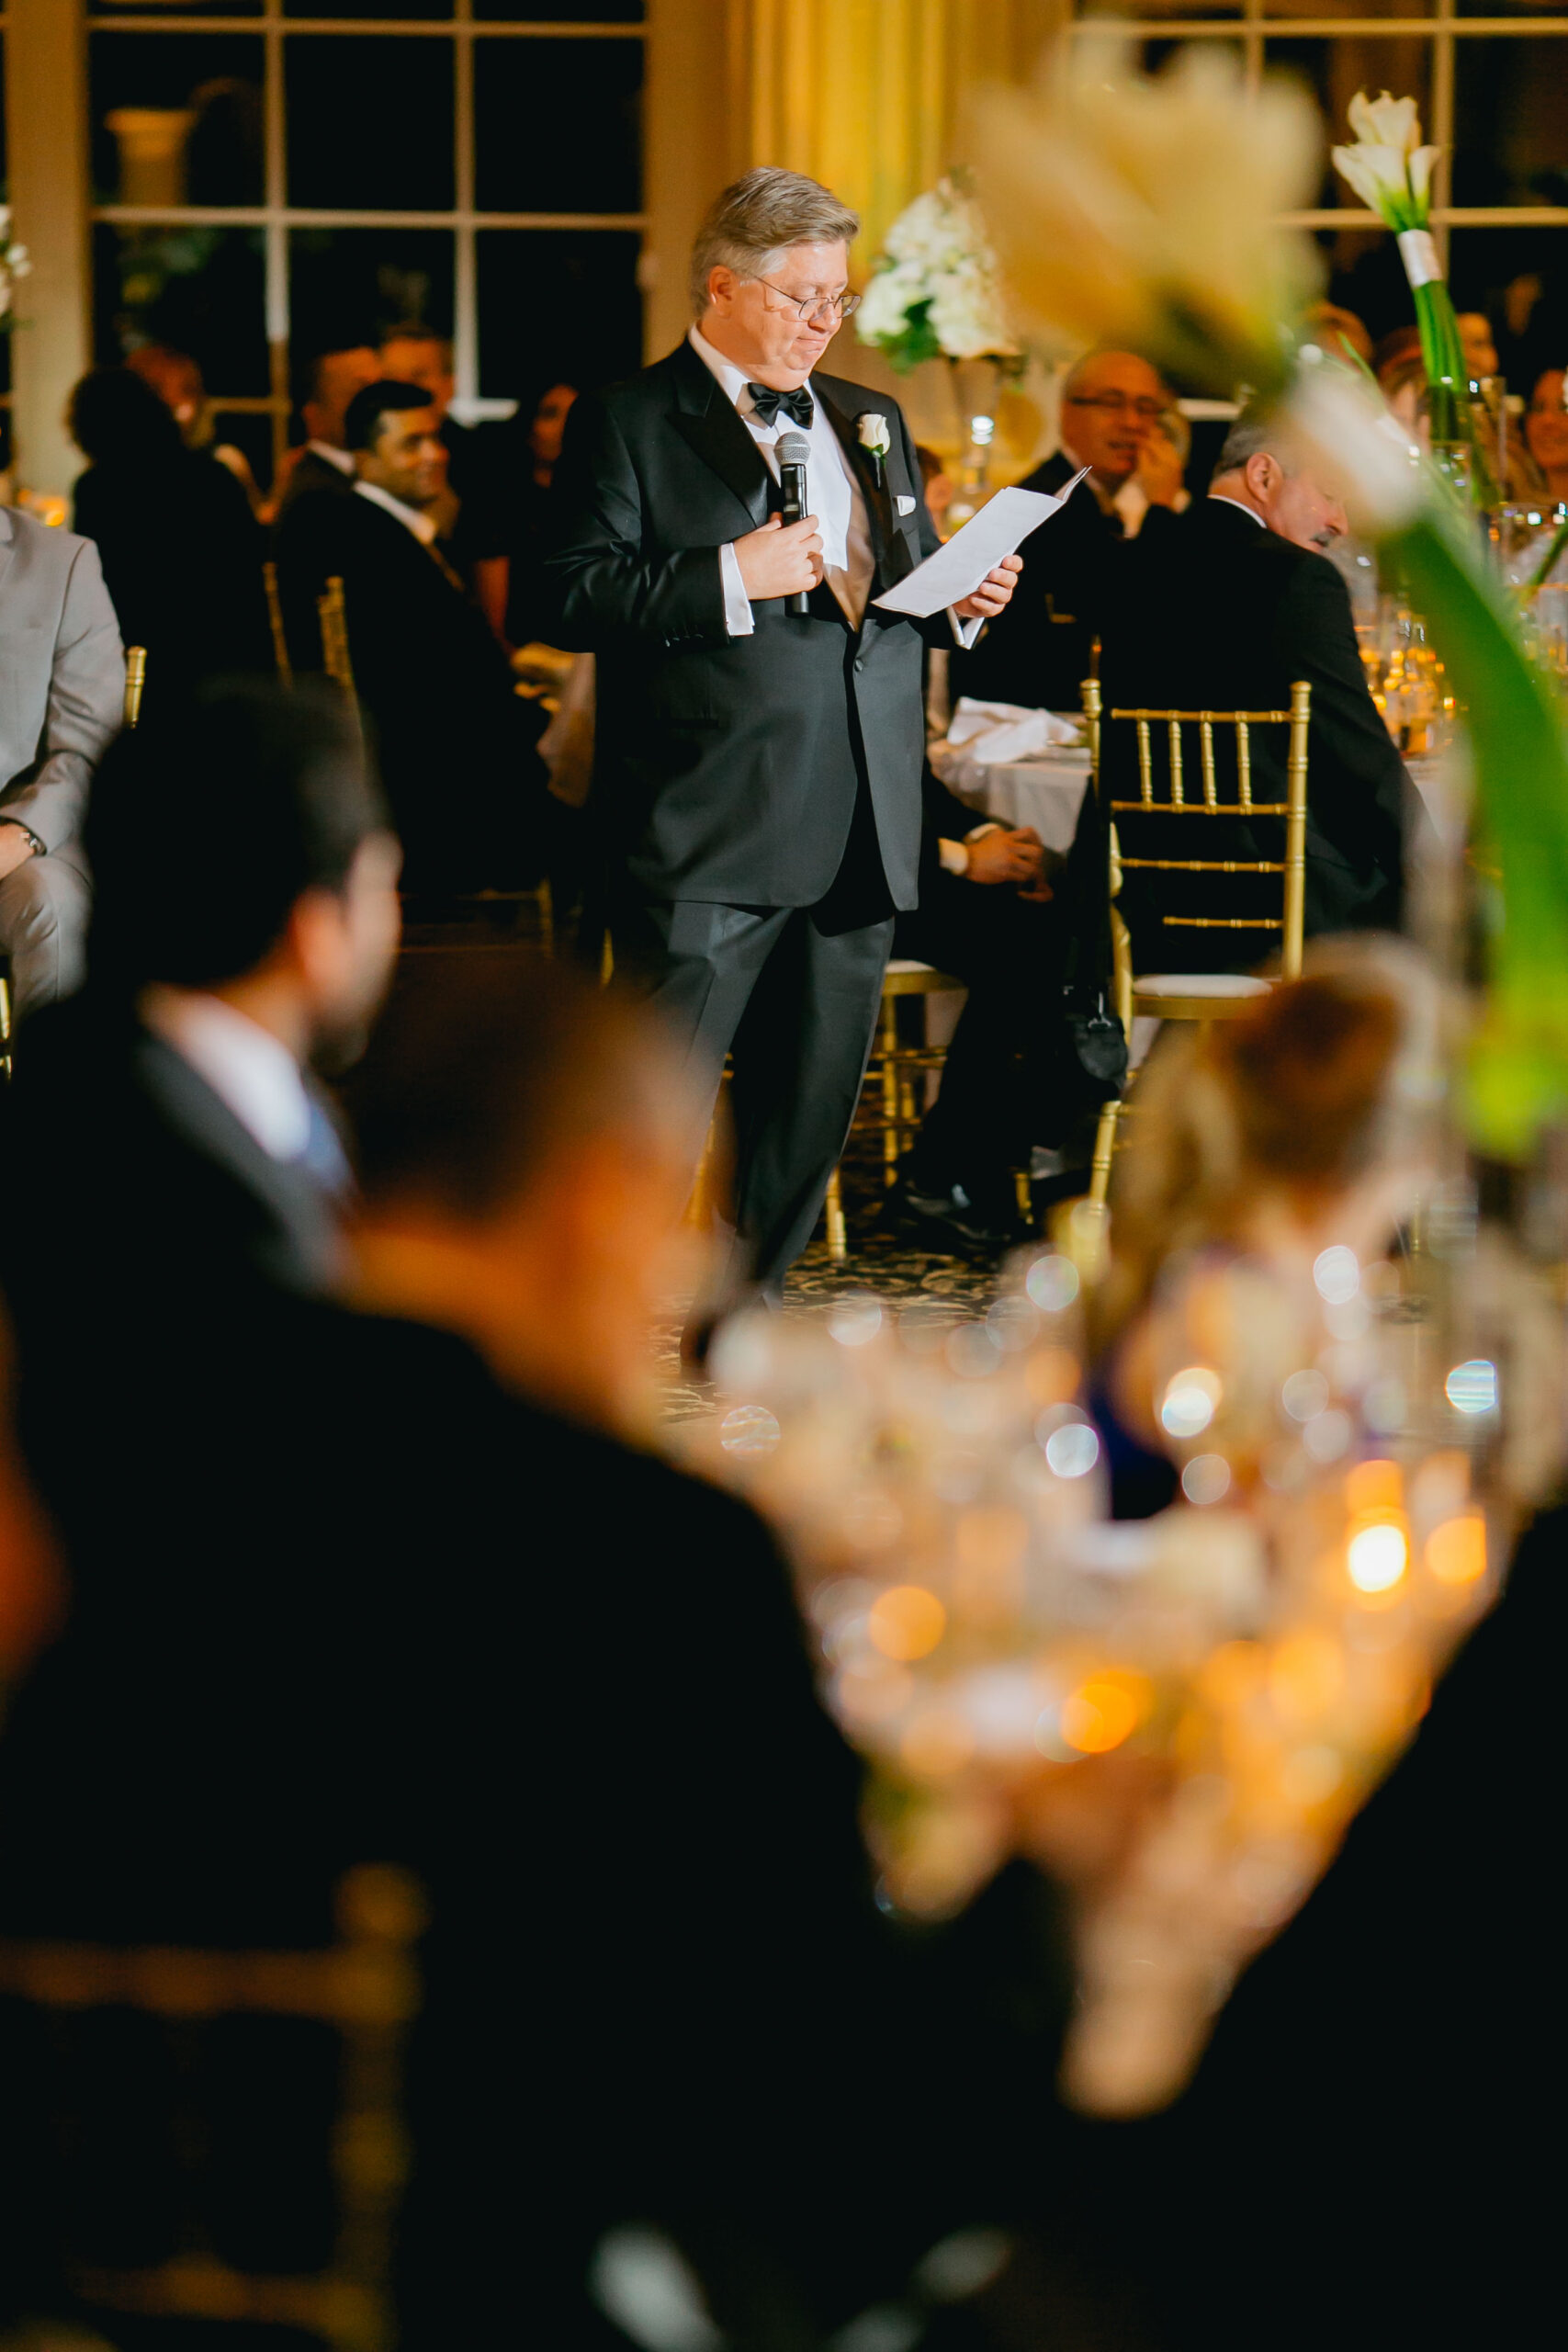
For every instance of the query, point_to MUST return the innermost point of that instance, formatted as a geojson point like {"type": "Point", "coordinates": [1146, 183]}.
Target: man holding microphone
{"type": "Point", "coordinates": [760, 723]}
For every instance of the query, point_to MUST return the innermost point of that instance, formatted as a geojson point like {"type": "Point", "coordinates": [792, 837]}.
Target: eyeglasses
{"type": "Point", "coordinates": [1147, 412]}
{"type": "Point", "coordinates": [815, 305]}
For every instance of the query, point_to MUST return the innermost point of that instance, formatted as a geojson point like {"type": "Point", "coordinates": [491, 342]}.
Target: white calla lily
{"type": "Point", "coordinates": [1385, 122]}
{"type": "Point", "coordinates": [1388, 168]}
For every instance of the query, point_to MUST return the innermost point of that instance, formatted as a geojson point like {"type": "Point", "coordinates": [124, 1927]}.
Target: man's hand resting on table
{"type": "Point", "coordinates": [781, 559]}
{"type": "Point", "coordinates": [994, 593]}
{"type": "Point", "coordinates": [1017, 856]}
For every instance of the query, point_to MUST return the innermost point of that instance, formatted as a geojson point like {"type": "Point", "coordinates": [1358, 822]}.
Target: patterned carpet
{"type": "Point", "coordinates": [894, 1266]}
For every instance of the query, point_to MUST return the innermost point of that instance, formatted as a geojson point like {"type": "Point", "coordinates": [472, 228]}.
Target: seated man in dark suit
{"type": "Point", "coordinates": [163, 1125]}
{"type": "Point", "coordinates": [324, 462]}
{"type": "Point", "coordinates": [413, 1599]}
{"type": "Point", "coordinates": [984, 915]}
{"type": "Point", "coordinates": [1041, 649]}
{"type": "Point", "coordinates": [1228, 615]}
{"type": "Point", "coordinates": [454, 743]}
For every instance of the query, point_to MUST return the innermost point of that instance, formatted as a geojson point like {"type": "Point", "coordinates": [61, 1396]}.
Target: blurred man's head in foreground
{"type": "Point", "coordinates": [525, 1153]}
{"type": "Point", "coordinates": [241, 847]}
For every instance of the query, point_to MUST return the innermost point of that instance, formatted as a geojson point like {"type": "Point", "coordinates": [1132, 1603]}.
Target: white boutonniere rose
{"type": "Point", "coordinates": [875, 438]}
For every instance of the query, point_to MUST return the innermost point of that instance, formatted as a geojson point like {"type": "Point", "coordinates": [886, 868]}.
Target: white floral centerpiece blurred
{"type": "Point", "coordinates": [14, 265]}
{"type": "Point", "coordinates": [937, 293]}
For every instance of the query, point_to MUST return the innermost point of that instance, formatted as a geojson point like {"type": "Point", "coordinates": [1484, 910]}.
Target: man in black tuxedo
{"type": "Point", "coordinates": [757, 771]}
{"type": "Point", "coordinates": [472, 512]}
{"type": "Point", "coordinates": [1041, 649]}
{"type": "Point", "coordinates": [454, 743]}
{"type": "Point", "coordinates": [1226, 614]}
{"type": "Point", "coordinates": [324, 462]}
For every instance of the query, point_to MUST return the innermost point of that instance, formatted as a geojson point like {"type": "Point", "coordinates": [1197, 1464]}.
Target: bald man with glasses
{"type": "Point", "coordinates": [1039, 650]}
{"type": "Point", "coordinates": [757, 769]}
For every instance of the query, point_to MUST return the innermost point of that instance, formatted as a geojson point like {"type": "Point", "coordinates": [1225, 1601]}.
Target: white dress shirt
{"type": "Point", "coordinates": [342, 458]}
{"type": "Point", "coordinates": [1218, 498]}
{"type": "Point", "coordinates": [409, 517]}
{"type": "Point", "coordinates": [246, 1067]}
{"type": "Point", "coordinates": [836, 499]}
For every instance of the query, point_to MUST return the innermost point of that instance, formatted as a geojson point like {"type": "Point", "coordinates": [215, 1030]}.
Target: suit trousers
{"type": "Point", "coordinates": [796, 1007]}
{"type": "Point", "coordinates": [44, 906]}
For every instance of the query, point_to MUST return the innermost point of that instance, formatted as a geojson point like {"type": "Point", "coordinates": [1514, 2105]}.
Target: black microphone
{"type": "Point", "coordinates": [794, 450]}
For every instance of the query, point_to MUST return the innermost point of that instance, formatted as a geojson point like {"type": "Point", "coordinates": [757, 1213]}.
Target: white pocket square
{"type": "Point", "coordinates": [906, 505]}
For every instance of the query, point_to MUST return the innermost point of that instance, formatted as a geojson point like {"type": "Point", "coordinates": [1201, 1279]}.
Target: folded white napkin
{"type": "Point", "coordinates": [991, 732]}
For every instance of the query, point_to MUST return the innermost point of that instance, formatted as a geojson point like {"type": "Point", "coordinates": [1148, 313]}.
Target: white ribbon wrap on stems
{"type": "Point", "coordinates": [1418, 251]}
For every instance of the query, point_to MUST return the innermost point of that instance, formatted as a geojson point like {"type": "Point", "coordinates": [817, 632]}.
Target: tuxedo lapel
{"type": "Point", "coordinates": [893, 561]}
{"type": "Point", "coordinates": [706, 420]}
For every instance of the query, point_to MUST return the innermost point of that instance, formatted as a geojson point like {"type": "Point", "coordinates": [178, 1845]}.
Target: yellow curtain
{"type": "Point", "coordinates": [867, 95]}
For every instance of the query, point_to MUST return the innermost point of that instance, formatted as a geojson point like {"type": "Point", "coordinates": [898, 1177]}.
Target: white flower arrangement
{"type": "Point", "coordinates": [937, 293]}
{"type": "Point", "coordinates": [14, 265]}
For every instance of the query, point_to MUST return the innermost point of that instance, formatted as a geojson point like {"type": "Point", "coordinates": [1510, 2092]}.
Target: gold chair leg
{"type": "Point", "coordinates": [833, 1209]}
{"type": "Point", "coordinates": [889, 1090]}
{"type": "Point", "coordinates": [1104, 1150]}
{"type": "Point", "coordinates": [1025, 1198]}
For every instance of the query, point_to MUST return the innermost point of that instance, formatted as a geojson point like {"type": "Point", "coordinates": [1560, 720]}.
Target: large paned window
{"type": "Point", "coordinates": [1492, 78]}
{"type": "Point", "coordinates": [270, 177]}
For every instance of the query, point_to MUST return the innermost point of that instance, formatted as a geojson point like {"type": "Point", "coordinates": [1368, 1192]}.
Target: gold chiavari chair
{"type": "Point", "coordinates": [1199, 995]}
{"type": "Point", "coordinates": [274, 619]}
{"type": "Point", "coordinates": [135, 682]}
{"type": "Point", "coordinates": [364, 1989]}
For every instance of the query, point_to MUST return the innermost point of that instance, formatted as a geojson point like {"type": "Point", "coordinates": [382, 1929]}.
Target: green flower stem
{"type": "Point", "coordinates": [1542, 571]}
{"type": "Point", "coordinates": [1448, 379]}
{"type": "Point", "coordinates": [1519, 1073]}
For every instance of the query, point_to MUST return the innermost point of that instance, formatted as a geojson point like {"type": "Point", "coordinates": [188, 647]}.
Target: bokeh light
{"type": "Point", "coordinates": [749, 1428]}
{"type": "Point", "coordinates": [1337, 1274]}
{"type": "Point", "coordinates": [906, 1621]}
{"type": "Point", "coordinates": [1206, 1479]}
{"type": "Point", "coordinates": [1072, 1450]}
{"type": "Point", "coordinates": [1191, 1400]}
{"type": "Point", "coordinates": [1304, 1396]}
{"type": "Point", "coordinates": [1053, 1283]}
{"type": "Point", "coordinates": [1455, 1550]}
{"type": "Point", "coordinates": [1377, 1555]}
{"type": "Point", "coordinates": [855, 1320]}
{"type": "Point", "coordinates": [1103, 1712]}
{"type": "Point", "coordinates": [1473, 1387]}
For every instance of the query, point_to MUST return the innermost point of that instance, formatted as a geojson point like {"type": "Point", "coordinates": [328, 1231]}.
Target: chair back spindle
{"type": "Point", "coordinates": [275, 620]}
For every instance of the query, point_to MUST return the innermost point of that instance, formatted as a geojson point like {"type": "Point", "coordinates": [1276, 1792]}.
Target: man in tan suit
{"type": "Point", "coordinates": [61, 692]}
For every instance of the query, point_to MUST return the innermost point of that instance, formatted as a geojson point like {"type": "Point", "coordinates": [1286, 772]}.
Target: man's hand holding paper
{"type": "Point", "coordinates": [973, 575]}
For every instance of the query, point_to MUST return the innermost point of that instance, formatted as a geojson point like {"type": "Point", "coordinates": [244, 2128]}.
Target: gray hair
{"type": "Point", "coordinates": [758, 217]}
{"type": "Point", "coordinates": [1255, 434]}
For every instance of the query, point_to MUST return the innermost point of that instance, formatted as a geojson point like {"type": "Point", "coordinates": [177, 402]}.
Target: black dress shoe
{"type": "Point", "coordinates": [951, 1221]}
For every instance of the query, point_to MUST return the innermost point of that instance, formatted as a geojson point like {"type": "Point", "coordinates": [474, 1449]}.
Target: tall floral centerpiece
{"type": "Point", "coordinates": [1390, 171]}
{"type": "Point", "coordinates": [936, 293]}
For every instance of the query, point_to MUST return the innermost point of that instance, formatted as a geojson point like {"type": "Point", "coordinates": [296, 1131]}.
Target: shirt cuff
{"type": "Point", "coordinates": [965, 632]}
{"type": "Point", "coordinates": [954, 857]}
{"type": "Point", "coordinates": [739, 618]}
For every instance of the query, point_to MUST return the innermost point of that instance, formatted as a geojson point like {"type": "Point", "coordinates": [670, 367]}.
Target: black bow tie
{"type": "Point", "coordinates": [766, 405]}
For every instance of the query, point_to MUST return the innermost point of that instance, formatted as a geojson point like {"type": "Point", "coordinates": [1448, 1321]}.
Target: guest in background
{"type": "Point", "coordinates": [301, 1673]}
{"type": "Point", "coordinates": [181, 550]}
{"type": "Point", "coordinates": [1479, 344]}
{"type": "Point", "coordinates": [163, 1127]}
{"type": "Point", "coordinates": [1546, 431]}
{"type": "Point", "coordinates": [64, 688]}
{"type": "Point", "coordinates": [474, 524]}
{"type": "Point", "coordinates": [177, 380]}
{"type": "Point", "coordinates": [323, 462]}
{"type": "Point", "coordinates": [1226, 615]}
{"type": "Point", "coordinates": [454, 743]}
{"type": "Point", "coordinates": [1400, 372]}
{"type": "Point", "coordinates": [1041, 649]}
{"type": "Point", "coordinates": [533, 442]}
{"type": "Point", "coordinates": [984, 915]}
{"type": "Point", "coordinates": [1335, 330]}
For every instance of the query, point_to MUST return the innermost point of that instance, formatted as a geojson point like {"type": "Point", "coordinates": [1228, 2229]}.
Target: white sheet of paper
{"type": "Point", "coordinates": [956, 570]}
